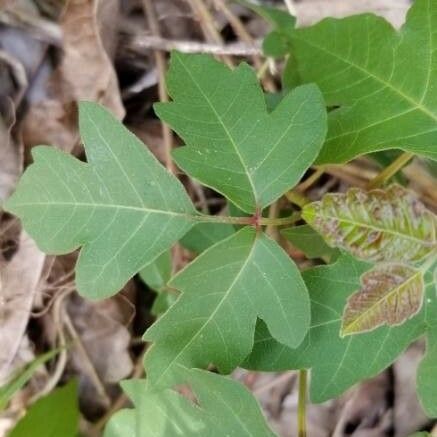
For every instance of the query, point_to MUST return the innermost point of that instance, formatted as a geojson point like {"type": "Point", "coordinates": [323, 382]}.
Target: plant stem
{"type": "Point", "coordinates": [391, 170]}
{"type": "Point", "coordinates": [297, 198]}
{"type": "Point", "coordinates": [302, 404]}
{"type": "Point", "coordinates": [251, 220]}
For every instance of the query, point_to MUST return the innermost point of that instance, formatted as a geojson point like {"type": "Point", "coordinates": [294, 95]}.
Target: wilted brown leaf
{"type": "Point", "coordinates": [390, 294]}
{"type": "Point", "coordinates": [18, 285]}
{"type": "Point", "coordinates": [11, 154]}
{"type": "Point", "coordinates": [85, 73]}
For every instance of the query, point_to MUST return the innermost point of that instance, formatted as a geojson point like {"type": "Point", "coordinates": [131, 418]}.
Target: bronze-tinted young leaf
{"type": "Point", "coordinates": [389, 295]}
{"type": "Point", "coordinates": [379, 225]}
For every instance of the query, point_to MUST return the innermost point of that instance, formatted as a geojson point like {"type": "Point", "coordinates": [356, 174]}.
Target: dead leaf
{"type": "Point", "coordinates": [11, 154]}
{"type": "Point", "coordinates": [18, 285]}
{"type": "Point", "coordinates": [85, 73]}
{"type": "Point", "coordinates": [310, 11]}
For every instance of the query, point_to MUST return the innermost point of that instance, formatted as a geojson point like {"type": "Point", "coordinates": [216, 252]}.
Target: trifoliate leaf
{"type": "Point", "coordinates": [223, 292]}
{"type": "Point", "coordinates": [379, 225]}
{"type": "Point", "coordinates": [381, 79]}
{"type": "Point", "coordinates": [306, 239]}
{"type": "Point", "coordinates": [427, 373]}
{"type": "Point", "coordinates": [389, 295]}
{"type": "Point", "coordinates": [222, 407]}
{"type": "Point", "coordinates": [336, 363]}
{"type": "Point", "coordinates": [56, 414]}
{"type": "Point", "coordinates": [122, 206]}
{"type": "Point", "coordinates": [232, 143]}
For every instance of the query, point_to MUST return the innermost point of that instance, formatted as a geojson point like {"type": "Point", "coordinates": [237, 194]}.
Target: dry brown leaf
{"type": "Point", "coordinates": [310, 11]}
{"type": "Point", "coordinates": [11, 154]}
{"type": "Point", "coordinates": [85, 73]}
{"type": "Point", "coordinates": [18, 285]}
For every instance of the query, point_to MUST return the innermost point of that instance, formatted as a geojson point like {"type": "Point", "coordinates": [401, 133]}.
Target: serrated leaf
{"type": "Point", "coordinates": [223, 292]}
{"type": "Point", "coordinates": [336, 363]}
{"type": "Point", "coordinates": [389, 295]}
{"type": "Point", "coordinates": [381, 79]}
{"type": "Point", "coordinates": [222, 407]}
{"type": "Point", "coordinates": [56, 414]}
{"type": "Point", "coordinates": [122, 207]}
{"type": "Point", "coordinates": [306, 239]}
{"type": "Point", "coordinates": [232, 143]}
{"type": "Point", "coordinates": [379, 225]}
{"type": "Point", "coordinates": [427, 373]}
{"type": "Point", "coordinates": [157, 274]}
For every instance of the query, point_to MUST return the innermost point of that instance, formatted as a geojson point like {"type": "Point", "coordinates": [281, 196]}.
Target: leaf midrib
{"type": "Point", "coordinates": [108, 206]}
{"type": "Point", "coordinates": [228, 134]}
{"type": "Point", "coordinates": [208, 320]}
{"type": "Point", "coordinates": [379, 301]}
{"type": "Point", "coordinates": [387, 84]}
{"type": "Point", "coordinates": [379, 229]}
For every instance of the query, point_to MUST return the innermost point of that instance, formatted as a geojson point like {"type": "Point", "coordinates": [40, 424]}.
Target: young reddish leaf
{"type": "Point", "coordinates": [389, 295]}
{"type": "Point", "coordinates": [379, 225]}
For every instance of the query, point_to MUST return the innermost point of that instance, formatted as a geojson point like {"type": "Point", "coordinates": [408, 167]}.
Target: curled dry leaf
{"type": "Point", "coordinates": [379, 225]}
{"type": "Point", "coordinates": [18, 285]}
{"type": "Point", "coordinates": [85, 73]}
{"type": "Point", "coordinates": [389, 294]}
{"type": "Point", "coordinates": [10, 153]}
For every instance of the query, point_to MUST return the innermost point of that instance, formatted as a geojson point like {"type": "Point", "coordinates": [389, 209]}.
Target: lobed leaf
{"type": "Point", "coordinates": [338, 363]}
{"type": "Point", "coordinates": [379, 225]}
{"type": "Point", "coordinates": [232, 144]}
{"type": "Point", "coordinates": [382, 80]}
{"type": "Point", "coordinates": [223, 292]}
{"type": "Point", "coordinates": [122, 207]}
{"type": "Point", "coordinates": [389, 294]}
{"type": "Point", "coordinates": [220, 407]}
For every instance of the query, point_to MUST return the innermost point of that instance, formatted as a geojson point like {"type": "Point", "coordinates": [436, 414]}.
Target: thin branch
{"type": "Point", "coordinates": [167, 135]}
{"type": "Point", "coordinates": [143, 43]}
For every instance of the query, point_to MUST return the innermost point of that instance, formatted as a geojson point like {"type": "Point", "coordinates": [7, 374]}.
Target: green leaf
{"type": "Point", "coordinates": [22, 377]}
{"type": "Point", "coordinates": [222, 407]}
{"type": "Point", "coordinates": [379, 225]}
{"type": "Point", "coordinates": [157, 274]}
{"type": "Point", "coordinates": [381, 79]}
{"type": "Point", "coordinates": [122, 206]}
{"type": "Point", "coordinates": [427, 371]}
{"type": "Point", "coordinates": [54, 415]}
{"type": "Point", "coordinates": [223, 292]}
{"type": "Point", "coordinates": [337, 363]}
{"type": "Point", "coordinates": [309, 242]}
{"type": "Point", "coordinates": [389, 294]}
{"type": "Point", "coordinates": [204, 235]}
{"type": "Point", "coordinates": [233, 144]}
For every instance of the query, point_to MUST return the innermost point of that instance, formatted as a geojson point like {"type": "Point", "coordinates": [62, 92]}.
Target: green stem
{"type": "Point", "coordinates": [252, 220]}
{"type": "Point", "coordinates": [302, 404]}
{"type": "Point", "coordinates": [391, 170]}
